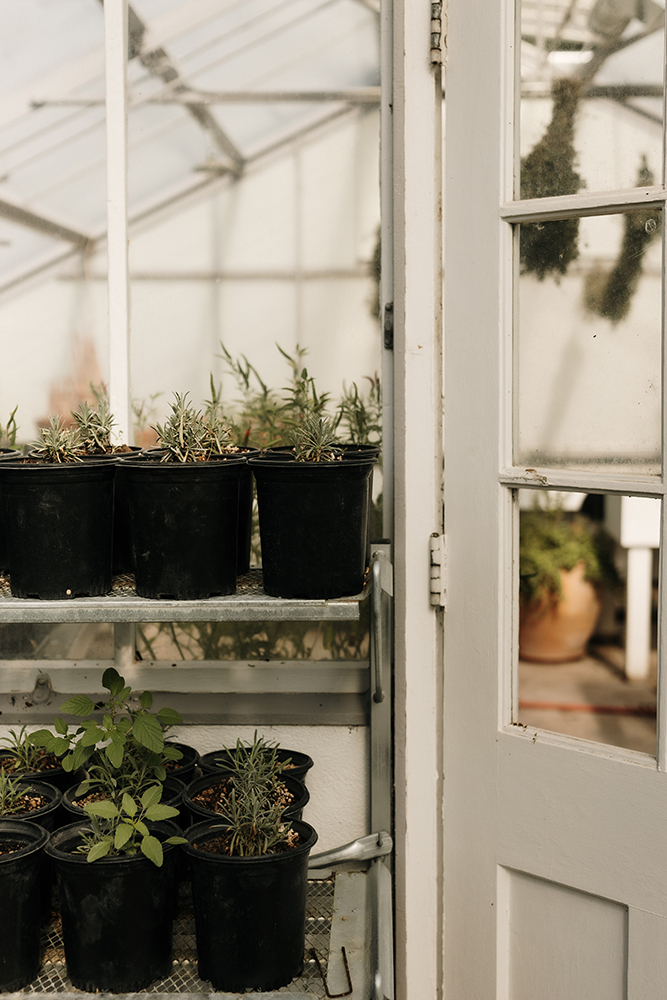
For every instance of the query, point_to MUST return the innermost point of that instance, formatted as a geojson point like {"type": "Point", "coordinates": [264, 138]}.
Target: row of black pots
{"type": "Point", "coordinates": [250, 913]}
{"type": "Point", "coordinates": [183, 797]}
{"type": "Point", "coordinates": [186, 528]}
{"type": "Point", "coordinates": [185, 768]}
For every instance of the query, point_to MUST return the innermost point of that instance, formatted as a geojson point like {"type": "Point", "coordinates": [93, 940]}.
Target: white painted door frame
{"type": "Point", "coordinates": [564, 814]}
{"type": "Point", "coordinates": [417, 270]}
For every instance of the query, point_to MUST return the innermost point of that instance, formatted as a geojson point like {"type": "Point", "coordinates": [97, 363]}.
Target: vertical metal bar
{"type": "Point", "coordinates": [381, 778]}
{"type": "Point", "coordinates": [124, 647]}
{"type": "Point", "coordinates": [387, 258]}
{"type": "Point", "coordinates": [661, 706]}
{"type": "Point", "coordinates": [115, 26]}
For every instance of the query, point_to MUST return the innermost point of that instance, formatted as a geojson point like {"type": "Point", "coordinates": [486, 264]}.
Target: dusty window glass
{"type": "Point", "coordinates": [591, 96]}
{"type": "Point", "coordinates": [587, 351]}
{"type": "Point", "coordinates": [588, 616]}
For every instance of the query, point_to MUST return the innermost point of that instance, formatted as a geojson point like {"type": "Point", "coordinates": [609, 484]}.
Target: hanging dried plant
{"type": "Point", "coordinates": [610, 295]}
{"type": "Point", "coordinates": [547, 171]}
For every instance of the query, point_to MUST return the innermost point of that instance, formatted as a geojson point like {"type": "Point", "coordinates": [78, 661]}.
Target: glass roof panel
{"type": "Point", "coordinates": [187, 60]}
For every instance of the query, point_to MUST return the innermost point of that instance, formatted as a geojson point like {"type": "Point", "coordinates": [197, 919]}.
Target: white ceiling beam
{"type": "Point", "coordinates": [50, 227]}
{"type": "Point", "coordinates": [179, 196]}
{"type": "Point", "coordinates": [351, 95]}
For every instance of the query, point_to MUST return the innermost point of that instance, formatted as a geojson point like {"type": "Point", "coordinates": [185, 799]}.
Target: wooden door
{"type": "Point", "coordinates": [555, 846]}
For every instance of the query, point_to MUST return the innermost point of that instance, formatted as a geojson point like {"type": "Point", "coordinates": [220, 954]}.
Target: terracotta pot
{"type": "Point", "coordinates": [557, 630]}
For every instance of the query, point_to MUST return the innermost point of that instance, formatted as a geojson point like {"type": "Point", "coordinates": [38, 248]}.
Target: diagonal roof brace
{"type": "Point", "coordinates": [158, 63]}
{"type": "Point", "coordinates": [23, 217]}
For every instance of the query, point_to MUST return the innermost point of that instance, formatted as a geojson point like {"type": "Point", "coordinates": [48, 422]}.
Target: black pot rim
{"type": "Point", "coordinates": [294, 785]}
{"type": "Point", "coordinates": [36, 837]}
{"type": "Point", "coordinates": [207, 761]}
{"type": "Point", "coordinates": [146, 460]}
{"type": "Point", "coordinates": [198, 829]}
{"type": "Point", "coordinates": [70, 794]}
{"type": "Point", "coordinates": [50, 792]}
{"type": "Point", "coordinates": [165, 828]}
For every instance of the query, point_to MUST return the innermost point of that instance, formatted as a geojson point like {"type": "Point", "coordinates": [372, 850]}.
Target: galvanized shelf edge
{"type": "Point", "coordinates": [249, 603]}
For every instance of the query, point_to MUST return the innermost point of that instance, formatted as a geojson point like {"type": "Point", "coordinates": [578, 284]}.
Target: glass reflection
{"type": "Point", "coordinates": [588, 584]}
{"type": "Point", "coordinates": [591, 93]}
{"type": "Point", "coordinates": [587, 354]}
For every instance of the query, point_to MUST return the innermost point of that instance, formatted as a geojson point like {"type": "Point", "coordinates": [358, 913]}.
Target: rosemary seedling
{"type": "Point", "coordinates": [314, 440]}
{"type": "Point", "coordinates": [58, 444]}
{"type": "Point", "coordinates": [25, 756]}
{"type": "Point", "coordinates": [11, 794]}
{"type": "Point", "coordinates": [9, 431]}
{"type": "Point", "coordinates": [189, 436]}
{"type": "Point", "coordinates": [94, 425]}
{"type": "Point", "coordinates": [253, 811]}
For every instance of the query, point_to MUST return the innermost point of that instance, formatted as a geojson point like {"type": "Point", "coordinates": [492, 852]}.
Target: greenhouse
{"type": "Point", "coordinates": [333, 375]}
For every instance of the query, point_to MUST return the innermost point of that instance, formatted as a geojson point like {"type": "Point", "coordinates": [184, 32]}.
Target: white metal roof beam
{"type": "Point", "coordinates": [353, 95]}
{"type": "Point", "coordinates": [158, 63]}
{"type": "Point", "coordinates": [22, 216]}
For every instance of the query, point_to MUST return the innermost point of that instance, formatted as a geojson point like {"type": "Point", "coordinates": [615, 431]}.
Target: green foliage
{"type": "Point", "coordinates": [553, 540]}
{"type": "Point", "coordinates": [124, 753]}
{"type": "Point", "coordinates": [11, 794]}
{"type": "Point", "coordinates": [610, 295]}
{"type": "Point", "coordinates": [315, 440]}
{"type": "Point", "coordinates": [361, 418]}
{"type": "Point", "coordinates": [94, 424]}
{"type": "Point", "coordinates": [58, 444]}
{"type": "Point", "coordinates": [9, 431]}
{"type": "Point", "coordinates": [252, 812]}
{"type": "Point", "coordinates": [122, 829]}
{"type": "Point", "coordinates": [547, 171]}
{"type": "Point", "coordinates": [26, 757]}
{"type": "Point", "coordinates": [188, 435]}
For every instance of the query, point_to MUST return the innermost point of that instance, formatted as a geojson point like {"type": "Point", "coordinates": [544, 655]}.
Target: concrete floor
{"type": "Point", "coordinates": [591, 699]}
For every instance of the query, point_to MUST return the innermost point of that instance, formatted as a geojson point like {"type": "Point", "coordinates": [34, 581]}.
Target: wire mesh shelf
{"type": "Point", "coordinates": [121, 604]}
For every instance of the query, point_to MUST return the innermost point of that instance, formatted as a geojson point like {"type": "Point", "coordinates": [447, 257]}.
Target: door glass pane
{"type": "Point", "coordinates": [588, 585]}
{"type": "Point", "coordinates": [591, 96]}
{"type": "Point", "coordinates": [588, 356]}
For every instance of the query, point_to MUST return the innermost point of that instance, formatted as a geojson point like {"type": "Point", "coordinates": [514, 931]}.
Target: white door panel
{"type": "Point", "coordinates": [555, 848]}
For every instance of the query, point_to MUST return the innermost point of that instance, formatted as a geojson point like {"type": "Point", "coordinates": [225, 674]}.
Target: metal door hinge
{"type": "Point", "coordinates": [388, 326]}
{"type": "Point", "coordinates": [436, 34]}
{"type": "Point", "coordinates": [438, 571]}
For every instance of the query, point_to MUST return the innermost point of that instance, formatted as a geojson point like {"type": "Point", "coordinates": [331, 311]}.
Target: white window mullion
{"type": "Point", "coordinates": [115, 23]}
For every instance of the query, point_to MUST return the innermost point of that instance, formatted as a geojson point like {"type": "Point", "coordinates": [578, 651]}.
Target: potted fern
{"type": "Point", "coordinates": [314, 514]}
{"type": "Point", "coordinates": [564, 558]}
{"type": "Point", "coordinates": [59, 518]}
{"type": "Point", "coordinates": [184, 499]}
{"type": "Point", "coordinates": [249, 880]}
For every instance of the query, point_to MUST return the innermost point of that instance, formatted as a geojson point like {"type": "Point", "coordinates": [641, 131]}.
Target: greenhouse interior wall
{"type": "Point", "coordinates": [279, 257]}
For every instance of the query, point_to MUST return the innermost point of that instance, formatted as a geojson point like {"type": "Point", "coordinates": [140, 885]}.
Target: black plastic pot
{"type": "Point", "coordinates": [184, 526]}
{"type": "Point", "coordinates": [121, 558]}
{"type": "Point", "coordinates": [45, 816]}
{"type": "Point", "coordinates": [48, 817]}
{"type": "Point", "coordinates": [116, 913]}
{"type": "Point", "coordinates": [199, 812]}
{"type": "Point", "coordinates": [6, 455]}
{"type": "Point", "coordinates": [56, 776]}
{"type": "Point", "coordinates": [250, 913]}
{"type": "Point", "coordinates": [59, 522]}
{"type": "Point", "coordinates": [244, 536]}
{"type": "Point", "coordinates": [186, 768]}
{"type": "Point", "coordinates": [20, 891]}
{"type": "Point", "coordinates": [314, 520]}
{"type": "Point", "coordinates": [217, 760]}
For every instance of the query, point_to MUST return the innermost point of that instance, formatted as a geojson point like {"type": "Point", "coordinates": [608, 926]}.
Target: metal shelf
{"type": "Point", "coordinates": [249, 603]}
